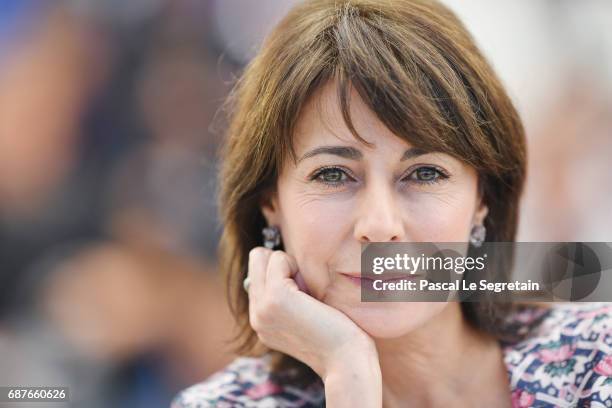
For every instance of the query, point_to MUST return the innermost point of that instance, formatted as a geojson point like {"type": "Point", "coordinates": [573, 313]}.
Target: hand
{"type": "Point", "coordinates": [289, 320]}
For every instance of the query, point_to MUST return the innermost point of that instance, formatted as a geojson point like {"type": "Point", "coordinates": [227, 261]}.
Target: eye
{"type": "Point", "coordinates": [427, 175]}
{"type": "Point", "coordinates": [332, 176]}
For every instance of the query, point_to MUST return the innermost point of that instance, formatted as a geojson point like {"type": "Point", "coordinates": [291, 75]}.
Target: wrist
{"type": "Point", "coordinates": [357, 358]}
{"type": "Point", "coordinates": [354, 380]}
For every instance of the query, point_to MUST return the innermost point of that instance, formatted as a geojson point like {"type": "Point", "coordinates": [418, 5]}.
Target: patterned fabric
{"type": "Point", "coordinates": [565, 361]}
{"type": "Point", "coordinates": [568, 360]}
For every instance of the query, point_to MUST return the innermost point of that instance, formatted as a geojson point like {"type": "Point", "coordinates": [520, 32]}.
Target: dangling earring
{"type": "Point", "coordinates": [271, 237]}
{"type": "Point", "coordinates": [477, 235]}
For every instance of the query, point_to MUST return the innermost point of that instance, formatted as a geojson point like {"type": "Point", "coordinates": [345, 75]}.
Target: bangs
{"type": "Point", "coordinates": [417, 87]}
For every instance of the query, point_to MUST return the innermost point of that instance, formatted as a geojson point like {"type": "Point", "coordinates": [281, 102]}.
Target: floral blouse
{"type": "Point", "coordinates": [565, 361]}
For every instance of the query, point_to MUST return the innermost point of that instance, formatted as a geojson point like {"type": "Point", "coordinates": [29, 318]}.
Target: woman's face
{"type": "Point", "coordinates": [341, 193]}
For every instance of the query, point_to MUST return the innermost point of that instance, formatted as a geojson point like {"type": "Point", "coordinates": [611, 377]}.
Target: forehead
{"type": "Point", "coordinates": [321, 123]}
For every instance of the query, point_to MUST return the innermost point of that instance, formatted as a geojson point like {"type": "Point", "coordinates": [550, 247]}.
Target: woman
{"type": "Point", "coordinates": [379, 121]}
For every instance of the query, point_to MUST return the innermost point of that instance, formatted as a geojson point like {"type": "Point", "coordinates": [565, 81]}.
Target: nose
{"type": "Point", "coordinates": [379, 217]}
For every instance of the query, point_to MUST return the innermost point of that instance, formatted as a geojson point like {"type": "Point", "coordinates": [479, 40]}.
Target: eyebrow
{"type": "Point", "coordinates": [354, 154]}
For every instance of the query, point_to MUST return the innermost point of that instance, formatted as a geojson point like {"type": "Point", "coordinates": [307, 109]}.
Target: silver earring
{"type": "Point", "coordinates": [477, 235]}
{"type": "Point", "coordinates": [271, 236]}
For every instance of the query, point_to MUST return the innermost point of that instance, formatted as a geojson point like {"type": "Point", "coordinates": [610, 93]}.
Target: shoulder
{"type": "Point", "coordinates": [246, 382]}
{"type": "Point", "coordinates": [585, 325]}
{"type": "Point", "coordinates": [567, 358]}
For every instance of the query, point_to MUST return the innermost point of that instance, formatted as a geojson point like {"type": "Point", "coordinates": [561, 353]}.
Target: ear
{"type": "Point", "coordinates": [270, 208]}
{"type": "Point", "coordinates": [481, 212]}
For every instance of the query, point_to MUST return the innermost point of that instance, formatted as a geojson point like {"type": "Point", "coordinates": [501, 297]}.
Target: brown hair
{"type": "Point", "coordinates": [418, 70]}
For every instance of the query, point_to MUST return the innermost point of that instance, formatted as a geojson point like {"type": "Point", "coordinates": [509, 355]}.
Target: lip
{"type": "Point", "coordinates": [359, 280]}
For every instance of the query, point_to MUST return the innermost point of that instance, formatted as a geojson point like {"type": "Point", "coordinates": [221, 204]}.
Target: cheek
{"type": "Point", "coordinates": [314, 228]}
{"type": "Point", "coordinates": [444, 216]}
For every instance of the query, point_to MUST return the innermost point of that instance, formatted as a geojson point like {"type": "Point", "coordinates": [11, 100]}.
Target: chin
{"type": "Point", "coordinates": [387, 320]}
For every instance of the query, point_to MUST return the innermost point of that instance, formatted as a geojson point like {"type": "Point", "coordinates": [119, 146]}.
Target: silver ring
{"type": "Point", "coordinates": [246, 283]}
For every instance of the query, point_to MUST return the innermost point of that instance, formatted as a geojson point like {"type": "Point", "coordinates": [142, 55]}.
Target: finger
{"type": "Point", "coordinates": [301, 283]}
{"type": "Point", "coordinates": [258, 263]}
{"type": "Point", "coordinates": [280, 266]}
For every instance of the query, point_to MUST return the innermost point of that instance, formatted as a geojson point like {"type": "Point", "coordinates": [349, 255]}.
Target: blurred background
{"type": "Point", "coordinates": [108, 135]}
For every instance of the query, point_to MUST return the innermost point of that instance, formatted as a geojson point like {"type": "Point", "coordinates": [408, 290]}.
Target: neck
{"type": "Point", "coordinates": [434, 364]}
